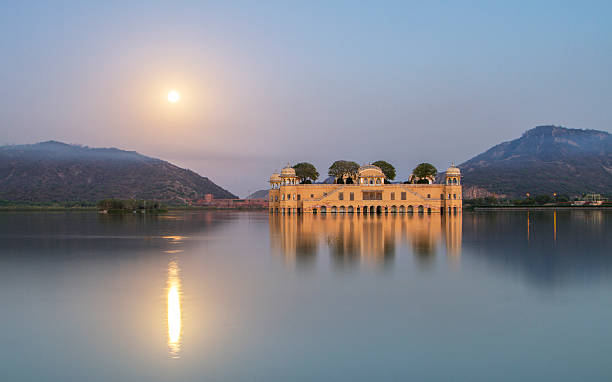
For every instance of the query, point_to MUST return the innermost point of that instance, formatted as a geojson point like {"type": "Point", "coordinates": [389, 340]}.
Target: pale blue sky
{"type": "Point", "coordinates": [264, 83]}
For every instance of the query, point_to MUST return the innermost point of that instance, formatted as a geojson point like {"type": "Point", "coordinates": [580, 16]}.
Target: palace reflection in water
{"type": "Point", "coordinates": [364, 239]}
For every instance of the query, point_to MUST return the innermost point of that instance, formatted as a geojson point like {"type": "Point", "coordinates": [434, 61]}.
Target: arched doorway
{"type": "Point", "coordinates": [455, 210]}
{"type": "Point", "coordinates": [428, 211]}
{"type": "Point", "coordinates": [449, 210]}
{"type": "Point", "coordinates": [379, 210]}
{"type": "Point", "coordinates": [350, 210]}
{"type": "Point", "coordinates": [314, 210]}
{"type": "Point", "coordinates": [420, 209]}
{"type": "Point", "coordinates": [365, 209]}
{"type": "Point", "coordinates": [402, 209]}
{"type": "Point", "coordinates": [410, 209]}
{"type": "Point", "coordinates": [334, 210]}
{"type": "Point", "coordinates": [393, 209]}
{"type": "Point", "coordinates": [323, 210]}
{"type": "Point", "coordinates": [341, 210]}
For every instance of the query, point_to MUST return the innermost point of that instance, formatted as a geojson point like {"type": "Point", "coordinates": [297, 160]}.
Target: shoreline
{"type": "Point", "coordinates": [543, 208]}
{"type": "Point", "coordinates": [95, 209]}
{"type": "Point", "coordinates": [212, 208]}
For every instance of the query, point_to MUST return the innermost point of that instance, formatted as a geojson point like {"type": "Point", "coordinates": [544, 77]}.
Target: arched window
{"type": "Point", "coordinates": [377, 180]}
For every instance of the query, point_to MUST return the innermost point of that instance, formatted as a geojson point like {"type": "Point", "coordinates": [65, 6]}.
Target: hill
{"type": "Point", "coordinates": [261, 194]}
{"type": "Point", "coordinates": [544, 160]}
{"type": "Point", "coordinates": [55, 171]}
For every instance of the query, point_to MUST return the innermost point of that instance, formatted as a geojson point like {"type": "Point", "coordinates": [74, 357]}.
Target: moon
{"type": "Point", "coordinates": [174, 96]}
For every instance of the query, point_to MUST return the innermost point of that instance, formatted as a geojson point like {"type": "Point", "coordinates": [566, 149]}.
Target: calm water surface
{"type": "Point", "coordinates": [222, 296]}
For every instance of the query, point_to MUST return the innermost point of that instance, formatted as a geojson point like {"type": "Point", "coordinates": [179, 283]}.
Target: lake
{"type": "Point", "coordinates": [247, 296]}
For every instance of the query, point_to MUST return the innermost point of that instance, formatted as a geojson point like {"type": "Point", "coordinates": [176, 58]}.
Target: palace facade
{"type": "Point", "coordinates": [368, 194]}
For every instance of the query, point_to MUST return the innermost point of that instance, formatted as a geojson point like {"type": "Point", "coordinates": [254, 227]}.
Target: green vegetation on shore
{"type": "Point", "coordinates": [529, 201]}
{"type": "Point", "coordinates": [130, 205]}
{"type": "Point", "coordinates": [11, 205]}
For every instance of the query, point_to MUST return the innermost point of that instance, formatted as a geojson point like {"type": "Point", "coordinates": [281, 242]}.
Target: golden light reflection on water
{"type": "Point", "coordinates": [174, 309]}
{"type": "Point", "coordinates": [175, 239]}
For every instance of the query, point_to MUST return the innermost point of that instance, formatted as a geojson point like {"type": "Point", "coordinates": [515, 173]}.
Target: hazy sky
{"type": "Point", "coordinates": [266, 83]}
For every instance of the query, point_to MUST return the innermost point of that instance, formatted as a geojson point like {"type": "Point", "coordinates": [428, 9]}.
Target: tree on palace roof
{"type": "Point", "coordinates": [306, 171]}
{"type": "Point", "coordinates": [387, 169]}
{"type": "Point", "coordinates": [342, 167]}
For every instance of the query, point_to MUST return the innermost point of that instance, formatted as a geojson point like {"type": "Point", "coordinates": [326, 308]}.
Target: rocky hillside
{"type": "Point", "coordinates": [55, 171]}
{"type": "Point", "coordinates": [544, 160]}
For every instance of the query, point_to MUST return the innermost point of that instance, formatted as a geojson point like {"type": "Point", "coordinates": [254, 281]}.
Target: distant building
{"type": "Point", "coordinates": [590, 199]}
{"type": "Point", "coordinates": [368, 194]}
{"type": "Point", "coordinates": [208, 198]}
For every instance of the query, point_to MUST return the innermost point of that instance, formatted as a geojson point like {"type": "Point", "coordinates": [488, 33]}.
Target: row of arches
{"type": "Point", "coordinates": [380, 209]}
{"type": "Point", "coordinates": [366, 210]}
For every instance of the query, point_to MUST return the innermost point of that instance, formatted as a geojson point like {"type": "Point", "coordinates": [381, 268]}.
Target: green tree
{"type": "Point", "coordinates": [423, 170]}
{"type": "Point", "coordinates": [342, 167]}
{"type": "Point", "coordinates": [563, 198]}
{"type": "Point", "coordinates": [387, 169]}
{"type": "Point", "coordinates": [306, 171]}
{"type": "Point", "coordinates": [490, 200]}
{"type": "Point", "coordinates": [543, 199]}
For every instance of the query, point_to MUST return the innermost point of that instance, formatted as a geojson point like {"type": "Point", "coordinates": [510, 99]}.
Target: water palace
{"type": "Point", "coordinates": [368, 194]}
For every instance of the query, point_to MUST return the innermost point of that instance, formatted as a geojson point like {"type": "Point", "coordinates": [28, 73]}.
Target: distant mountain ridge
{"type": "Point", "coordinates": [261, 194]}
{"type": "Point", "coordinates": [56, 171]}
{"type": "Point", "coordinates": [544, 160]}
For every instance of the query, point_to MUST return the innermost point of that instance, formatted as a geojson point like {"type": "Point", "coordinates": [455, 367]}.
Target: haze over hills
{"type": "Point", "coordinates": [544, 160]}
{"type": "Point", "coordinates": [55, 171]}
